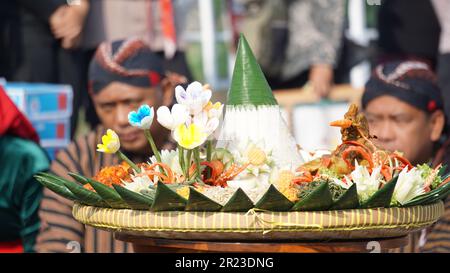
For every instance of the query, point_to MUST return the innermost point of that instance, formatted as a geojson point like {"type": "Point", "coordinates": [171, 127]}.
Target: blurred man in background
{"type": "Point", "coordinates": [123, 75]}
{"type": "Point", "coordinates": [404, 107]}
{"type": "Point", "coordinates": [402, 36]}
{"type": "Point", "coordinates": [161, 24]}
{"type": "Point", "coordinates": [405, 111]}
{"type": "Point", "coordinates": [53, 41]}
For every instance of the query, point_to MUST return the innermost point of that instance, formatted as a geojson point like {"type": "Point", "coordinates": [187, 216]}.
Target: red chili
{"type": "Point", "coordinates": [402, 160]}
{"type": "Point", "coordinates": [305, 177]}
{"type": "Point", "coordinates": [386, 173]}
{"type": "Point", "coordinates": [216, 168]}
{"type": "Point", "coordinates": [169, 177]}
{"type": "Point", "coordinates": [359, 150]}
{"type": "Point", "coordinates": [302, 179]}
{"type": "Point", "coordinates": [444, 182]}
{"type": "Point", "coordinates": [353, 143]}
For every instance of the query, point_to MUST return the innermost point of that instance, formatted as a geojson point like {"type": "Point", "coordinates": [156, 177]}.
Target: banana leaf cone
{"type": "Point", "coordinates": [430, 197]}
{"type": "Point", "coordinates": [442, 195]}
{"type": "Point", "coordinates": [251, 106]}
{"type": "Point", "coordinates": [348, 200]}
{"type": "Point", "coordinates": [434, 195]}
{"type": "Point", "coordinates": [52, 177]}
{"type": "Point", "coordinates": [318, 199]}
{"type": "Point", "coordinates": [382, 198]}
{"type": "Point", "coordinates": [56, 186]}
{"type": "Point", "coordinates": [55, 178]}
{"type": "Point", "coordinates": [86, 196]}
{"type": "Point", "coordinates": [133, 199]}
{"type": "Point", "coordinates": [79, 178]}
{"type": "Point", "coordinates": [109, 195]}
{"type": "Point", "coordinates": [199, 202]}
{"type": "Point", "coordinates": [167, 200]}
{"type": "Point", "coordinates": [239, 202]}
{"type": "Point", "coordinates": [248, 83]}
{"type": "Point", "coordinates": [274, 200]}
{"type": "Point", "coordinates": [442, 172]}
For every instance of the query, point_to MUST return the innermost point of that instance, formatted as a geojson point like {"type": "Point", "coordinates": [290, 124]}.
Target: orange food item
{"type": "Point", "coordinates": [111, 175]}
{"type": "Point", "coordinates": [154, 170]}
{"type": "Point", "coordinates": [343, 123]}
{"type": "Point", "coordinates": [357, 150]}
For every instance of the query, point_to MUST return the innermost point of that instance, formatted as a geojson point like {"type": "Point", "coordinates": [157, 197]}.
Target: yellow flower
{"type": "Point", "coordinates": [190, 137]}
{"type": "Point", "coordinates": [213, 110]}
{"type": "Point", "coordinates": [111, 143]}
{"type": "Point", "coordinates": [256, 156]}
{"type": "Point", "coordinates": [183, 192]}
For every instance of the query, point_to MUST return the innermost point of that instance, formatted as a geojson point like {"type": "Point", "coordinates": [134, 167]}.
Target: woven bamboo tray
{"type": "Point", "coordinates": [263, 225]}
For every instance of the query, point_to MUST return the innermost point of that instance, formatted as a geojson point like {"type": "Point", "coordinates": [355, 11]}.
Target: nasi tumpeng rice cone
{"type": "Point", "coordinates": [252, 113]}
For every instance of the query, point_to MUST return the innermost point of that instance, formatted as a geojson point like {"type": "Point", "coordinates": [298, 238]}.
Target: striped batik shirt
{"type": "Point", "coordinates": [438, 239]}
{"type": "Point", "coordinates": [60, 232]}
{"type": "Point", "coordinates": [438, 236]}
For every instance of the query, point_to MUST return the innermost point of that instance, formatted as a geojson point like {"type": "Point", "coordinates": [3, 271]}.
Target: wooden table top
{"type": "Point", "coordinates": [152, 245]}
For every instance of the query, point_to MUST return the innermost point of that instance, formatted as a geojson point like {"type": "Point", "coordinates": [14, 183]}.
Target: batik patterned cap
{"type": "Point", "coordinates": [410, 81]}
{"type": "Point", "coordinates": [129, 61]}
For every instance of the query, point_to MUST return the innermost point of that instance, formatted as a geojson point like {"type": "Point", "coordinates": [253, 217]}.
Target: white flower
{"type": "Point", "coordinates": [346, 185]}
{"type": "Point", "coordinates": [209, 124]}
{"type": "Point", "coordinates": [171, 119]}
{"type": "Point", "coordinates": [367, 184]}
{"type": "Point", "coordinates": [140, 184]}
{"type": "Point", "coordinates": [142, 118]}
{"type": "Point", "coordinates": [170, 158]}
{"type": "Point", "coordinates": [409, 185]}
{"type": "Point", "coordinates": [257, 155]}
{"type": "Point", "coordinates": [194, 97]}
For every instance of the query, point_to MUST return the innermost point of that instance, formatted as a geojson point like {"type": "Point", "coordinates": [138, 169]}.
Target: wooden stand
{"type": "Point", "coordinates": [154, 245]}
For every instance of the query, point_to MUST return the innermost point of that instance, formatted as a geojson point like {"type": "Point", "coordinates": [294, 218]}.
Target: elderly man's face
{"type": "Point", "coordinates": [402, 127]}
{"type": "Point", "coordinates": [115, 101]}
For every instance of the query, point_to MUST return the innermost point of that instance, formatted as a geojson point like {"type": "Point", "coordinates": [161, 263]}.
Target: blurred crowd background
{"type": "Point", "coordinates": [313, 47]}
{"type": "Point", "coordinates": [296, 42]}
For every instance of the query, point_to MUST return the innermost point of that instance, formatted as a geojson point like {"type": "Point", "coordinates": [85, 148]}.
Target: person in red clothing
{"type": "Point", "coordinates": [20, 194]}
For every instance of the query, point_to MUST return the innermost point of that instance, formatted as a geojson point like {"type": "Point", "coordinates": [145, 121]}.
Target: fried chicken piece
{"type": "Point", "coordinates": [355, 128]}
{"type": "Point", "coordinates": [354, 125]}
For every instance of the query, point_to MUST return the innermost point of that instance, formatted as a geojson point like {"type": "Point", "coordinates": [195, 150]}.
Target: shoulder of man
{"type": "Point", "coordinates": [79, 156]}
{"type": "Point", "coordinates": [442, 156]}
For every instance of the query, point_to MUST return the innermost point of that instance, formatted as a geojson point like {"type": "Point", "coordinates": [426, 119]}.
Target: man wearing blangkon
{"type": "Point", "coordinates": [404, 109]}
{"type": "Point", "coordinates": [123, 75]}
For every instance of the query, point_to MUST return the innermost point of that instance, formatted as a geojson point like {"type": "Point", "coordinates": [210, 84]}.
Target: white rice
{"type": "Point", "coordinates": [261, 123]}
